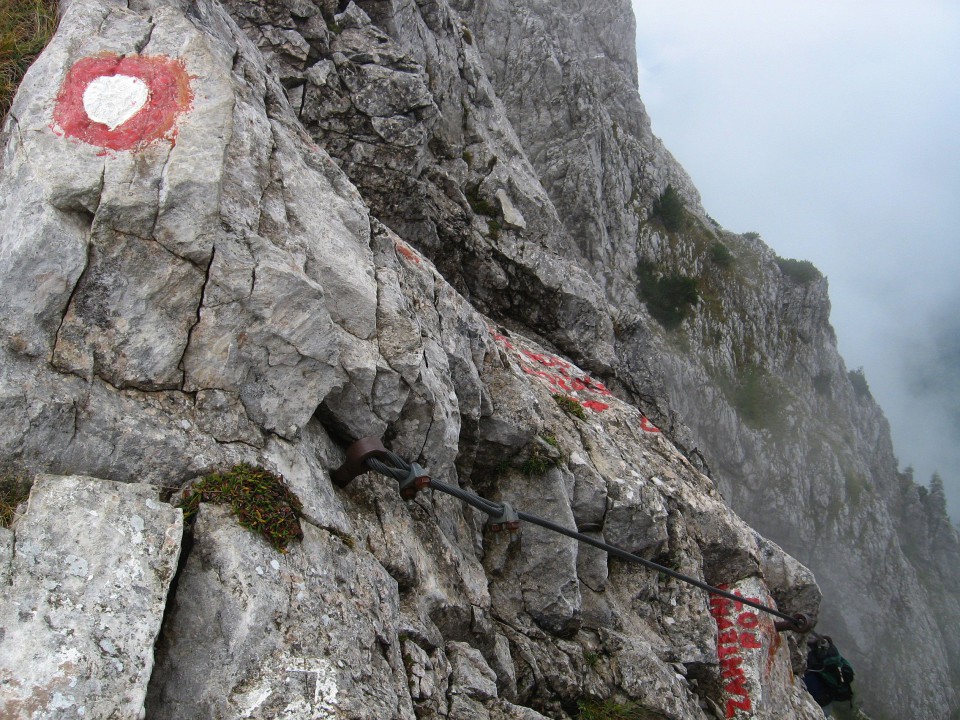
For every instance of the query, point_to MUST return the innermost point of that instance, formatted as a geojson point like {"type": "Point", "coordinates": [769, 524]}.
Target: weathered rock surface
{"type": "Point", "coordinates": [753, 374]}
{"type": "Point", "coordinates": [252, 633]}
{"type": "Point", "coordinates": [302, 256]}
{"type": "Point", "coordinates": [91, 565]}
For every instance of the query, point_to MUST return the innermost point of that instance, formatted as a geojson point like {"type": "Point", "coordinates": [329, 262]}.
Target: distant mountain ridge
{"type": "Point", "coordinates": [753, 372]}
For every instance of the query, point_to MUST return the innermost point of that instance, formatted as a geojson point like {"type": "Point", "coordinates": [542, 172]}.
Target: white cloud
{"type": "Point", "coordinates": [832, 129]}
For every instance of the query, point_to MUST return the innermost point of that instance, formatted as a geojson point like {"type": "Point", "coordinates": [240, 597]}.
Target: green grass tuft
{"type": "Point", "coordinates": [536, 464]}
{"type": "Point", "coordinates": [610, 710]}
{"type": "Point", "coordinates": [480, 205]}
{"type": "Point", "coordinates": [261, 501]}
{"type": "Point", "coordinates": [14, 489]}
{"type": "Point", "coordinates": [26, 27]}
{"type": "Point", "coordinates": [570, 405]}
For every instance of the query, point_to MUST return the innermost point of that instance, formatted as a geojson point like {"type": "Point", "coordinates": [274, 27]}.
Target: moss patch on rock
{"type": "Point", "coordinates": [261, 501]}
{"type": "Point", "coordinates": [570, 405]}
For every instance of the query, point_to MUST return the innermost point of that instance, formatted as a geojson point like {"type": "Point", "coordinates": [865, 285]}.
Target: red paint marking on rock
{"type": "Point", "coordinates": [122, 102]}
{"type": "Point", "coordinates": [648, 426]}
{"type": "Point", "coordinates": [737, 632]}
{"type": "Point", "coordinates": [407, 253]}
{"type": "Point", "coordinates": [559, 374]}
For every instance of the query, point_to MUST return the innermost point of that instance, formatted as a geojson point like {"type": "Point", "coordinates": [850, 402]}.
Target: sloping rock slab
{"type": "Point", "coordinates": [306, 634]}
{"type": "Point", "coordinates": [91, 568]}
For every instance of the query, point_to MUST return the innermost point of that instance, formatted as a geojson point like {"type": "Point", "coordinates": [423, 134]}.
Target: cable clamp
{"type": "Point", "coordinates": [800, 624]}
{"type": "Point", "coordinates": [356, 461]}
{"type": "Point", "coordinates": [507, 518]}
{"type": "Point", "coordinates": [415, 481]}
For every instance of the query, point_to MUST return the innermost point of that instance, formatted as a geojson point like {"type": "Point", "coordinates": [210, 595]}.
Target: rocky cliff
{"type": "Point", "coordinates": [240, 232]}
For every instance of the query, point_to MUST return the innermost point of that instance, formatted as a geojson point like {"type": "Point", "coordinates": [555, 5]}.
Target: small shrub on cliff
{"type": "Point", "coordinates": [668, 298]}
{"type": "Point", "coordinates": [670, 210]}
{"type": "Point", "coordinates": [758, 400]}
{"type": "Point", "coordinates": [801, 271]}
{"type": "Point", "coordinates": [14, 490]}
{"type": "Point", "coordinates": [822, 383]}
{"type": "Point", "coordinates": [859, 382]}
{"type": "Point", "coordinates": [855, 484]}
{"type": "Point", "coordinates": [26, 27]}
{"type": "Point", "coordinates": [721, 256]}
{"type": "Point", "coordinates": [261, 501]}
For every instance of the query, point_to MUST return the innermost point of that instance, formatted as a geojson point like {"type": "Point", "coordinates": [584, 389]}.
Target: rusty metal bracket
{"type": "Point", "coordinates": [507, 519]}
{"type": "Point", "coordinates": [416, 480]}
{"type": "Point", "coordinates": [800, 624]}
{"type": "Point", "coordinates": [356, 462]}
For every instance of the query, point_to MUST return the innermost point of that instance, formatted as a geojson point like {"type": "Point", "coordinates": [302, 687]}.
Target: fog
{"type": "Point", "coordinates": [831, 129]}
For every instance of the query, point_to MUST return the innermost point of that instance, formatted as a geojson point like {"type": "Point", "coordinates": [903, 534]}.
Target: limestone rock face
{"type": "Point", "coordinates": [306, 634]}
{"type": "Point", "coordinates": [90, 568]}
{"type": "Point", "coordinates": [271, 228]}
{"type": "Point", "coordinates": [751, 382]}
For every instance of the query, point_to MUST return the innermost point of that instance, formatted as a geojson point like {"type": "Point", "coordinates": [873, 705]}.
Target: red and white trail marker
{"type": "Point", "coordinates": [648, 426]}
{"type": "Point", "coordinates": [122, 102]}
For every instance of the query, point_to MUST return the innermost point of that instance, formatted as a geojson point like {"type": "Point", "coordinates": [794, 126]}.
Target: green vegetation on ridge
{"type": "Point", "coordinates": [668, 297]}
{"type": "Point", "coordinates": [26, 27]}
{"type": "Point", "coordinates": [801, 271]}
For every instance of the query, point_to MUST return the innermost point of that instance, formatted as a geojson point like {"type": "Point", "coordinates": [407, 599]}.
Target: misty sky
{"type": "Point", "coordinates": [831, 128]}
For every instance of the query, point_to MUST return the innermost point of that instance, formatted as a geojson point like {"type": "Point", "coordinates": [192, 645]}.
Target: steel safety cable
{"type": "Point", "coordinates": [630, 557]}
{"type": "Point", "coordinates": [405, 472]}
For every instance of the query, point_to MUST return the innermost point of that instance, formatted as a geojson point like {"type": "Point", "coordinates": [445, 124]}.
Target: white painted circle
{"type": "Point", "coordinates": [114, 99]}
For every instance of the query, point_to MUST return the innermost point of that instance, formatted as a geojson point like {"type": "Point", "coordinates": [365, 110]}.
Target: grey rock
{"type": "Point", "coordinates": [467, 708]}
{"type": "Point", "coordinates": [471, 676]}
{"type": "Point", "coordinates": [551, 592]}
{"type": "Point", "coordinates": [636, 515]}
{"type": "Point", "coordinates": [350, 189]}
{"type": "Point", "coordinates": [6, 555]}
{"type": "Point", "coordinates": [88, 583]}
{"type": "Point", "coordinates": [302, 633]}
{"type": "Point", "coordinates": [592, 564]}
{"type": "Point", "coordinates": [508, 711]}
{"type": "Point", "coordinates": [589, 501]}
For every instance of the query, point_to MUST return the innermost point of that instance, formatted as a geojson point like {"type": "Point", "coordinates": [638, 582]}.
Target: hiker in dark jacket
{"type": "Point", "coordinates": [829, 676]}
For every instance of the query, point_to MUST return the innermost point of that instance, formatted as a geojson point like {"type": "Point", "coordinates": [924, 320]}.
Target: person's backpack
{"type": "Point", "coordinates": [837, 674]}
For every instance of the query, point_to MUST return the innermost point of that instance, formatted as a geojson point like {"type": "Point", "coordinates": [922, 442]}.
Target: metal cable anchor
{"type": "Point", "coordinates": [507, 518]}
{"type": "Point", "coordinates": [356, 461]}
{"type": "Point", "coordinates": [800, 624]}
{"type": "Point", "coordinates": [415, 481]}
